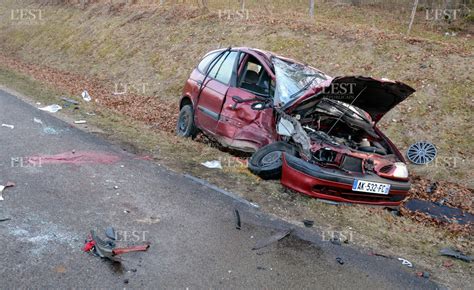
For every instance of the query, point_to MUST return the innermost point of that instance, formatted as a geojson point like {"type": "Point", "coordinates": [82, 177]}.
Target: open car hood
{"type": "Point", "coordinates": [374, 96]}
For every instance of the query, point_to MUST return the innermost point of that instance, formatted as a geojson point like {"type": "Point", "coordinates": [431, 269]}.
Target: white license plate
{"type": "Point", "coordinates": [370, 187]}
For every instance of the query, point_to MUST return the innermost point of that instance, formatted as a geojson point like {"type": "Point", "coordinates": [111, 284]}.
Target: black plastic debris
{"type": "Point", "coordinates": [456, 254]}
{"type": "Point", "coordinates": [335, 241]}
{"type": "Point", "coordinates": [425, 275]}
{"type": "Point", "coordinates": [70, 101]}
{"type": "Point", "coordinates": [308, 223]}
{"type": "Point", "coordinates": [272, 239]}
{"type": "Point", "coordinates": [340, 260]}
{"type": "Point", "coordinates": [440, 212]}
{"type": "Point", "coordinates": [380, 255]}
{"type": "Point", "coordinates": [432, 187]}
{"type": "Point", "coordinates": [110, 233]}
{"type": "Point", "coordinates": [4, 219]}
{"type": "Point", "coordinates": [237, 219]}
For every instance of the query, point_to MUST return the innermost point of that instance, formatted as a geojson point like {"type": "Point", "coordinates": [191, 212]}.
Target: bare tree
{"type": "Point", "coordinates": [311, 8]}
{"type": "Point", "coordinates": [413, 13]}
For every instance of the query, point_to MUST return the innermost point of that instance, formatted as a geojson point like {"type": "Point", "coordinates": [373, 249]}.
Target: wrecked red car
{"type": "Point", "coordinates": [316, 133]}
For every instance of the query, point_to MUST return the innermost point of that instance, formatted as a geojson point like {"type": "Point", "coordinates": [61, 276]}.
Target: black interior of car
{"type": "Point", "coordinates": [254, 78]}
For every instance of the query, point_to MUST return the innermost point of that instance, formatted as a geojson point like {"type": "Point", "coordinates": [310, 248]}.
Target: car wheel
{"type": "Point", "coordinates": [267, 161]}
{"type": "Point", "coordinates": [186, 126]}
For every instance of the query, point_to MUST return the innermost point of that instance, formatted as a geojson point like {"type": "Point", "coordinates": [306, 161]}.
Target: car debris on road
{"type": "Point", "coordinates": [8, 126]}
{"type": "Point", "coordinates": [405, 262]}
{"type": "Point", "coordinates": [340, 260]}
{"type": "Point", "coordinates": [238, 224]}
{"type": "Point", "coordinates": [308, 223]}
{"type": "Point", "coordinates": [51, 108]}
{"type": "Point", "coordinates": [272, 239]}
{"type": "Point", "coordinates": [2, 187]}
{"type": "Point", "coordinates": [425, 275]}
{"type": "Point", "coordinates": [108, 249]}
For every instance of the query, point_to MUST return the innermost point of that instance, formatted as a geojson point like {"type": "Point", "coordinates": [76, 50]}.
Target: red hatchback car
{"type": "Point", "coordinates": [316, 133]}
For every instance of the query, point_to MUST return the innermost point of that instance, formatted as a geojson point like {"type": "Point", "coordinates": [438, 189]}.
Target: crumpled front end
{"type": "Point", "coordinates": [337, 185]}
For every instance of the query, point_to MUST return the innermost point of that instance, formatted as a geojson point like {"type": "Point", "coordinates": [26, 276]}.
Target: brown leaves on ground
{"type": "Point", "coordinates": [447, 193]}
{"type": "Point", "coordinates": [148, 109]}
{"type": "Point", "coordinates": [444, 192]}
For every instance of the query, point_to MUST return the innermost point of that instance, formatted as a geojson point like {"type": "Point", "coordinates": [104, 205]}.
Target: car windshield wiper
{"type": "Point", "coordinates": [306, 86]}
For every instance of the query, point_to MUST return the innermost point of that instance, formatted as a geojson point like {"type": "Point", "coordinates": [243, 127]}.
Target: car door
{"type": "Point", "coordinates": [240, 122]}
{"type": "Point", "coordinates": [221, 73]}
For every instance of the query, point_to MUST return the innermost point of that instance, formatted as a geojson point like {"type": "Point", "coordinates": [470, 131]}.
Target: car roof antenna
{"type": "Point", "coordinates": [340, 117]}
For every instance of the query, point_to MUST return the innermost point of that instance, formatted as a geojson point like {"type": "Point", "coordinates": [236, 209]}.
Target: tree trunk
{"type": "Point", "coordinates": [413, 13]}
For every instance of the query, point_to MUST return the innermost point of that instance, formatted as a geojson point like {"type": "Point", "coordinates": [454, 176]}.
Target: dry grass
{"type": "Point", "coordinates": [159, 48]}
{"type": "Point", "coordinates": [396, 236]}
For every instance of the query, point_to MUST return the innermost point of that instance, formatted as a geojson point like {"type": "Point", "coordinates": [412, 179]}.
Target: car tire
{"type": "Point", "coordinates": [267, 161]}
{"type": "Point", "coordinates": [185, 126]}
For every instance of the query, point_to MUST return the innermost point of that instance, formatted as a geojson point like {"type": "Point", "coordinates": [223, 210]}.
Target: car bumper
{"type": "Point", "coordinates": [336, 185]}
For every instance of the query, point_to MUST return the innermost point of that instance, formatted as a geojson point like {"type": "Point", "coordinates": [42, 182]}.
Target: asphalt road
{"type": "Point", "coordinates": [191, 227]}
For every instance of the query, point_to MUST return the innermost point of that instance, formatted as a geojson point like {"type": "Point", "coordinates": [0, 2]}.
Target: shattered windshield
{"type": "Point", "coordinates": [293, 79]}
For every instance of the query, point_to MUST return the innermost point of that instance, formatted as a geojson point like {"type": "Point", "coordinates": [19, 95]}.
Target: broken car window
{"type": "Point", "coordinates": [293, 79]}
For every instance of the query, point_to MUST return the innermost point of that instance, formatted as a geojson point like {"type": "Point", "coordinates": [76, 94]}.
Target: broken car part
{"type": "Point", "coordinates": [456, 254]}
{"type": "Point", "coordinates": [421, 153]}
{"type": "Point", "coordinates": [70, 101]}
{"type": "Point", "coordinates": [2, 187]}
{"type": "Point", "coordinates": [440, 212]}
{"type": "Point", "coordinates": [406, 262]}
{"type": "Point", "coordinates": [237, 219]}
{"type": "Point", "coordinates": [51, 108]}
{"type": "Point", "coordinates": [340, 260]}
{"type": "Point", "coordinates": [85, 96]}
{"type": "Point", "coordinates": [214, 164]}
{"type": "Point", "coordinates": [335, 241]}
{"type": "Point", "coordinates": [107, 249]}
{"type": "Point", "coordinates": [272, 239]}
{"type": "Point", "coordinates": [308, 223]}
{"type": "Point", "coordinates": [110, 233]}
{"type": "Point", "coordinates": [8, 126]}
